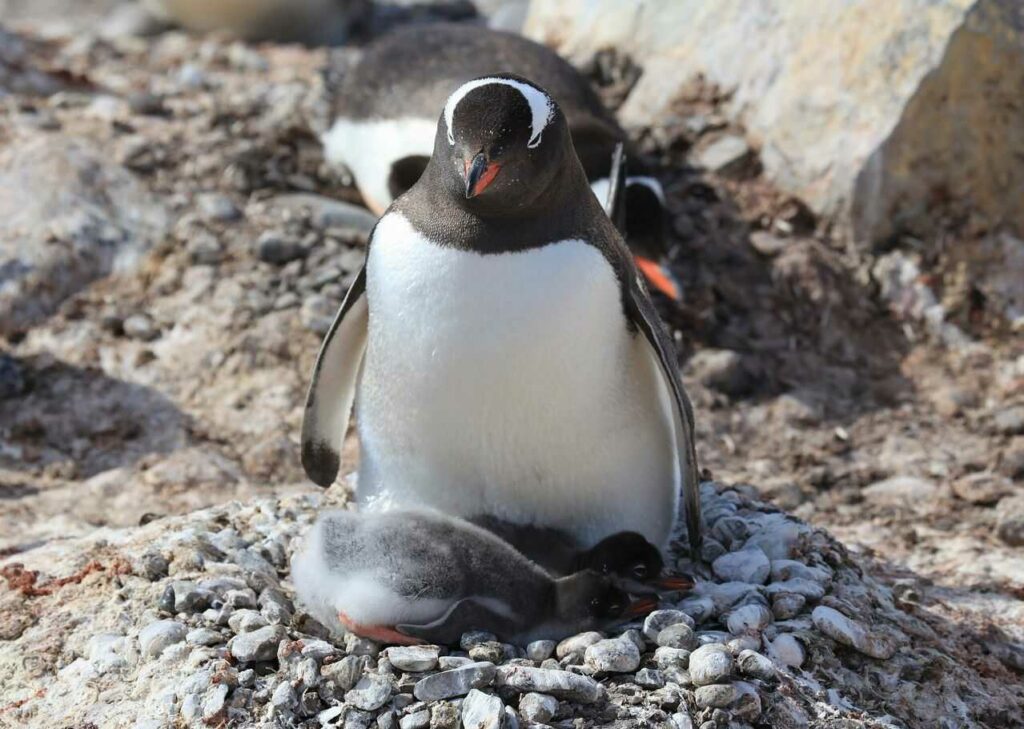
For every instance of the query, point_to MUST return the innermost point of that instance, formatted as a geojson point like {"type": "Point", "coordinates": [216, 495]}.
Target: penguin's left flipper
{"type": "Point", "coordinates": [465, 615]}
{"type": "Point", "coordinates": [643, 315]}
{"type": "Point", "coordinates": [333, 389]}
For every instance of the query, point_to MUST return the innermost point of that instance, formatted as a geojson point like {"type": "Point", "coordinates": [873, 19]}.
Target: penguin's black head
{"type": "Point", "coordinates": [501, 140]}
{"type": "Point", "coordinates": [589, 598]}
{"type": "Point", "coordinates": [626, 555]}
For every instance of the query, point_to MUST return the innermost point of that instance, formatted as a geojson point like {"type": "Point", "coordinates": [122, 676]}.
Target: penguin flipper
{"type": "Point", "coordinates": [465, 615]}
{"type": "Point", "coordinates": [333, 388]}
{"type": "Point", "coordinates": [643, 314]}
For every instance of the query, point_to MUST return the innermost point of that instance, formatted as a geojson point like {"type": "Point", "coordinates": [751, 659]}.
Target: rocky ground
{"type": "Point", "coordinates": [172, 248]}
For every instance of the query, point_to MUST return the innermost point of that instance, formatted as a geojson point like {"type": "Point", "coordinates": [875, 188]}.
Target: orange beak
{"type": "Point", "coordinates": [479, 173]}
{"type": "Point", "coordinates": [673, 584]}
{"type": "Point", "coordinates": [658, 277]}
{"type": "Point", "coordinates": [641, 607]}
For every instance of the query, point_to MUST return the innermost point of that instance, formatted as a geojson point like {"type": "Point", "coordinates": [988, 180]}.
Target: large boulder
{"type": "Point", "coordinates": [68, 215]}
{"type": "Point", "coordinates": [878, 113]}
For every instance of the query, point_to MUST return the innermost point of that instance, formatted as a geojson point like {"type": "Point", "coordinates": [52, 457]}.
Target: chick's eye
{"type": "Point", "coordinates": [595, 603]}
{"type": "Point", "coordinates": [640, 571]}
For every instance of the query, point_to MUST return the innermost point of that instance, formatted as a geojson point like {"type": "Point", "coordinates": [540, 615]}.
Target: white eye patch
{"type": "Point", "coordinates": [542, 108]}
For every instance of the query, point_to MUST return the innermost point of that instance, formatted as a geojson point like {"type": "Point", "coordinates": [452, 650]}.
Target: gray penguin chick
{"type": "Point", "coordinates": [405, 576]}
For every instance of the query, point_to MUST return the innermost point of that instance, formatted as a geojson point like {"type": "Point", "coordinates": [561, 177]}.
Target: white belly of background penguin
{"type": "Point", "coordinates": [492, 387]}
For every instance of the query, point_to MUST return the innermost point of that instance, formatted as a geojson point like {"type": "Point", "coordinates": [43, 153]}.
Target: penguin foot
{"type": "Point", "coordinates": [379, 633]}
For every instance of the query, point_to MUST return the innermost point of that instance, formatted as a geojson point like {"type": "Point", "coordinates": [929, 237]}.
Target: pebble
{"type": "Point", "coordinates": [787, 650]}
{"type": "Point", "coordinates": [476, 637]}
{"type": "Point", "coordinates": [615, 655]}
{"type": "Point", "coordinates": [416, 658]}
{"type": "Point", "coordinates": [560, 684]}
{"type": "Point", "coordinates": [797, 586]}
{"type": "Point", "coordinates": [448, 662]}
{"type": "Point", "coordinates": [748, 619]}
{"type": "Point", "coordinates": [678, 635]}
{"type": "Point", "coordinates": [204, 636]}
{"type": "Point", "coordinates": [753, 664]}
{"type": "Point", "coordinates": [317, 313]}
{"type": "Point", "coordinates": [258, 645]}
{"type": "Point", "coordinates": [538, 708]}
{"type": "Point", "coordinates": [748, 565]}
{"type": "Point", "coordinates": [903, 491]}
{"type": "Point", "coordinates": [215, 207]}
{"type": "Point", "coordinates": [417, 720]}
{"type": "Point", "coordinates": [189, 597]}
{"type": "Point", "coordinates": [649, 678]}
{"type": "Point", "coordinates": [241, 599]}
{"type": "Point", "coordinates": [786, 605]}
{"type": "Point", "coordinates": [456, 682]}
{"type": "Point", "coordinates": [203, 249]}
{"type": "Point", "coordinates": [850, 633]}
{"type": "Point", "coordinates": [577, 644]}
{"type": "Point", "coordinates": [482, 711]}
{"type": "Point", "coordinates": [358, 646]}
{"type": "Point", "coordinates": [157, 636]}
{"type": "Point", "coordinates": [346, 672]}
{"type": "Point", "coordinates": [1010, 523]}
{"type": "Point", "coordinates": [700, 609]}
{"type": "Point", "coordinates": [747, 704]}
{"type": "Point", "coordinates": [1010, 421]}
{"type": "Point", "coordinates": [276, 248]}
{"type": "Point", "coordinates": [667, 657]}
{"type": "Point", "coordinates": [718, 695]}
{"type": "Point", "coordinates": [444, 716]}
{"type": "Point", "coordinates": [214, 704]}
{"type": "Point", "coordinates": [767, 244]}
{"type": "Point", "coordinates": [710, 664]}
{"type": "Point", "coordinates": [141, 327]}
{"type": "Point", "coordinates": [984, 488]}
{"type": "Point", "coordinates": [370, 693]}
{"type": "Point", "coordinates": [722, 370]}
{"type": "Point", "coordinates": [246, 621]}
{"type": "Point", "coordinates": [657, 621]}
{"type": "Point", "coordinates": [284, 697]}
{"type": "Point", "coordinates": [490, 651]}
{"type": "Point", "coordinates": [787, 569]}
{"type": "Point", "coordinates": [540, 650]}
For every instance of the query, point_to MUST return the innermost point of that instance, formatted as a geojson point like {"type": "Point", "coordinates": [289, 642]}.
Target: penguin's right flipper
{"type": "Point", "coordinates": [465, 615]}
{"type": "Point", "coordinates": [615, 204]}
{"type": "Point", "coordinates": [333, 389]}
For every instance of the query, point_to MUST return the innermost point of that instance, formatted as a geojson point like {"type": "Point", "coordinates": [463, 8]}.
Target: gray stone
{"type": "Point", "coordinates": [456, 682]}
{"type": "Point", "coordinates": [258, 645]}
{"type": "Point", "coordinates": [284, 697]}
{"type": "Point", "coordinates": [359, 646]}
{"type": "Point", "coordinates": [616, 655]}
{"type": "Point", "coordinates": [667, 657]}
{"type": "Point", "coordinates": [157, 636]}
{"type": "Point", "coordinates": [489, 651]}
{"type": "Point", "coordinates": [1009, 421]}
{"type": "Point", "coordinates": [240, 599]}
{"type": "Point", "coordinates": [476, 637]}
{"type": "Point", "coordinates": [767, 244]}
{"type": "Point", "coordinates": [748, 565]}
{"type": "Point", "coordinates": [540, 650]}
{"type": "Point", "coordinates": [445, 663]}
{"type": "Point", "coordinates": [214, 706]}
{"type": "Point", "coordinates": [414, 658]}
{"type": "Point", "coordinates": [748, 619]}
{"type": "Point", "coordinates": [482, 711]}
{"type": "Point", "coordinates": [278, 249]}
{"type": "Point", "coordinates": [797, 586]}
{"type": "Point", "coordinates": [538, 708]}
{"type": "Point", "coordinates": [723, 370]}
{"type": "Point", "coordinates": [370, 693]}
{"type": "Point", "coordinates": [317, 313]}
{"type": "Point", "coordinates": [716, 696]}
{"type": "Point", "coordinates": [216, 207]}
{"type": "Point", "coordinates": [677, 635]}
{"type": "Point", "coordinates": [850, 633]}
{"type": "Point", "coordinates": [710, 664]}
{"type": "Point", "coordinates": [661, 619]}
{"type": "Point", "coordinates": [1010, 524]}
{"type": "Point", "coordinates": [560, 684]}
{"type": "Point", "coordinates": [649, 678]}
{"type": "Point", "coordinates": [747, 704]}
{"type": "Point", "coordinates": [753, 664]}
{"type": "Point", "coordinates": [417, 720]}
{"type": "Point", "coordinates": [246, 621]}
{"type": "Point", "coordinates": [346, 672]}
{"type": "Point", "coordinates": [204, 636]}
{"type": "Point", "coordinates": [577, 644]}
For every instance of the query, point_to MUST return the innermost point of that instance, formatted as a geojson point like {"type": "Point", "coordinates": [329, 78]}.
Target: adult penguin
{"type": "Point", "coordinates": [502, 351]}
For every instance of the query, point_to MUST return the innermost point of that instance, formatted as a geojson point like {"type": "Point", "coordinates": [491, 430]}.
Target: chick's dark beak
{"type": "Point", "coordinates": [480, 173]}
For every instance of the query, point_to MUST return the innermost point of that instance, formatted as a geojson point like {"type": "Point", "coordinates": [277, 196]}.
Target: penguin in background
{"type": "Point", "coordinates": [405, 576]}
{"type": "Point", "coordinates": [483, 382]}
{"type": "Point", "coordinates": [385, 114]}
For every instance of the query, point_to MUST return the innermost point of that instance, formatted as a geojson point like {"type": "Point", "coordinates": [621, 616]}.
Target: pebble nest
{"type": "Point", "coordinates": [190, 621]}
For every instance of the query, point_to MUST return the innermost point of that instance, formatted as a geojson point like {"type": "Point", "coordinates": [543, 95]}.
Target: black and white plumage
{"type": "Point", "coordinates": [502, 350]}
{"type": "Point", "coordinates": [386, 113]}
{"type": "Point", "coordinates": [434, 577]}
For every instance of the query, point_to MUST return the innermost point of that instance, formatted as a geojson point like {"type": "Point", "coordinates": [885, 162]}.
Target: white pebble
{"type": "Point", "coordinates": [747, 565]}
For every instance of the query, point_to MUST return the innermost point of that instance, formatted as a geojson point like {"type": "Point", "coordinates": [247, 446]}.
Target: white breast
{"type": "Point", "coordinates": [368, 148]}
{"type": "Point", "coordinates": [509, 384]}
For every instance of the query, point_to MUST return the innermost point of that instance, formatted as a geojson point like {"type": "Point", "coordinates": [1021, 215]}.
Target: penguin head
{"type": "Point", "coordinates": [588, 598]}
{"type": "Point", "coordinates": [501, 141]}
{"type": "Point", "coordinates": [626, 555]}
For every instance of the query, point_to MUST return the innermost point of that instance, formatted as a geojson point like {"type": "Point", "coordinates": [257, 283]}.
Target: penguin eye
{"type": "Point", "coordinates": [595, 604]}
{"type": "Point", "coordinates": [605, 569]}
{"type": "Point", "coordinates": [640, 571]}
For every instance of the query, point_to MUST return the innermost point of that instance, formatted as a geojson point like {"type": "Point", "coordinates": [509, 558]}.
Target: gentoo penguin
{"type": "Point", "coordinates": [386, 112]}
{"type": "Point", "coordinates": [635, 563]}
{"type": "Point", "coordinates": [398, 576]}
{"type": "Point", "coordinates": [502, 350]}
